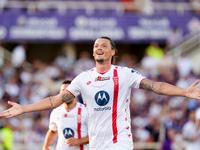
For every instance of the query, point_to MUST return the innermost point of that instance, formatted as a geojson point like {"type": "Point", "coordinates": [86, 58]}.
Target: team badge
{"type": "Point", "coordinates": [79, 118]}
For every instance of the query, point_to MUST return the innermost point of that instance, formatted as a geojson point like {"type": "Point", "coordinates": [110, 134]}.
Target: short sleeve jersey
{"type": "Point", "coordinates": [107, 99]}
{"type": "Point", "coordinates": [71, 123]}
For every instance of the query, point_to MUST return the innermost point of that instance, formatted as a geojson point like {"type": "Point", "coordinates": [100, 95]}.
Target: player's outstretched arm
{"type": "Point", "coordinates": [167, 89]}
{"type": "Point", "coordinates": [49, 139]}
{"type": "Point", "coordinates": [45, 104]}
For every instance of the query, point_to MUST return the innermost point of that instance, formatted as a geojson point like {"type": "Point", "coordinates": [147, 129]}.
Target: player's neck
{"type": "Point", "coordinates": [103, 67]}
{"type": "Point", "coordinates": [70, 106]}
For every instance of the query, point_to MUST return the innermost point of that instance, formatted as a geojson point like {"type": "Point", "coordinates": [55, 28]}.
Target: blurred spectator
{"type": "Point", "coordinates": [19, 55]}
{"type": "Point", "coordinates": [194, 25]}
{"type": "Point", "coordinates": [83, 63]}
{"type": "Point", "coordinates": [3, 4]}
{"type": "Point", "coordinates": [140, 98]}
{"type": "Point", "coordinates": [196, 6]}
{"type": "Point", "coordinates": [7, 137]}
{"type": "Point", "coordinates": [64, 62]}
{"type": "Point", "coordinates": [150, 65]}
{"type": "Point", "coordinates": [190, 133]}
{"type": "Point", "coordinates": [43, 83]}
{"type": "Point", "coordinates": [26, 75]}
{"type": "Point", "coordinates": [38, 91]}
{"type": "Point", "coordinates": [167, 61]}
{"type": "Point", "coordinates": [8, 132]}
{"type": "Point", "coordinates": [144, 7]}
{"type": "Point", "coordinates": [52, 71]}
{"type": "Point", "coordinates": [170, 130]}
{"type": "Point", "coordinates": [139, 123]}
{"type": "Point", "coordinates": [153, 50]}
{"type": "Point", "coordinates": [130, 6]}
{"type": "Point", "coordinates": [154, 129]}
{"type": "Point", "coordinates": [8, 70]}
{"type": "Point", "coordinates": [174, 38]}
{"type": "Point", "coordinates": [197, 115]}
{"type": "Point", "coordinates": [1, 53]}
{"type": "Point", "coordinates": [154, 109]}
{"type": "Point", "coordinates": [184, 65]}
{"type": "Point", "coordinates": [127, 60]}
{"type": "Point", "coordinates": [12, 88]}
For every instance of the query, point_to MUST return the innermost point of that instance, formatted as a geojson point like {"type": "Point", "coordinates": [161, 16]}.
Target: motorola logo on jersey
{"type": "Point", "coordinates": [68, 133]}
{"type": "Point", "coordinates": [102, 98]}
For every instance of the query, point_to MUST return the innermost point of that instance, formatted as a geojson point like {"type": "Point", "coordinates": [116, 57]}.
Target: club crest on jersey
{"type": "Point", "coordinates": [68, 133]}
{"type": "Point", "coordinates": [79, 118]}
{"type": "Point", "coordinates": [99, 78]}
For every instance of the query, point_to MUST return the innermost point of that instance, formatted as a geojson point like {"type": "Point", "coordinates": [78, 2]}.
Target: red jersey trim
{"type": "Point", "coordinates": [115, 99]}
{"type": "Point", "coordinates": [141, 82]}
{"type": "Point", "coordinates": [102, 73]}
{"type": "Point", "coordinates": [71, 93]}
{"type": "Point", "coordinates": [79, 126]}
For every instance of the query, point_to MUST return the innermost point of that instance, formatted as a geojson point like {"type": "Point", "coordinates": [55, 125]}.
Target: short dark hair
{"type": "Point", "coordinates": [113, 46]}
{"type": "Point", "coordinates": [66, 82]}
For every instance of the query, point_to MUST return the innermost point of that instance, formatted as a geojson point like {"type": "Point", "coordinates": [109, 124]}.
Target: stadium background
{"type": "Point", "coordinates": [59, 36]}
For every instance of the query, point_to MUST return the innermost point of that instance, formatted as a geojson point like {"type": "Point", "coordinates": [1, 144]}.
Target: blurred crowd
{"type": "Point", "coordinates": [145, 7]}
{"type": "Point", "coordinates": [172, 121]}
{"type": "Point", "coordinates": [155, 118]}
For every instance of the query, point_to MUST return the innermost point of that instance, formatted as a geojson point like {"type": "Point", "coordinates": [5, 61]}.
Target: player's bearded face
{"type": "Point", "coordinates": [102, 51]}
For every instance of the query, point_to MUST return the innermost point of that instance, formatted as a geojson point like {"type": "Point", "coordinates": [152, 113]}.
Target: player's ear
{"type": "Point", "coordinates": [113, 52]}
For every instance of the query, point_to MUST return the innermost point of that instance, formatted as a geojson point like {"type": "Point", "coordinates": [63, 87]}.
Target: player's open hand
{"type": "Point", "coordinates": [72, 141]}
{"type": "Point", "coordinates": [15, 110]}
{"type": "Point", "coordinates": [193, 92]}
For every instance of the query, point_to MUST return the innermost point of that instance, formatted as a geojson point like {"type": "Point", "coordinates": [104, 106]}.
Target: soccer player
{"type": "Point", "coordinates": [70, 122]}
{"type": "Point", "coordinates": [106, 92]}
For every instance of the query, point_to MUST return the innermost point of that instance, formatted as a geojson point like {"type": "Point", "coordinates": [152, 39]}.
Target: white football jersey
{"type": "Point", "coordinates": [107, 98]}
{"type": "Point", "coordinates": [71, 123]}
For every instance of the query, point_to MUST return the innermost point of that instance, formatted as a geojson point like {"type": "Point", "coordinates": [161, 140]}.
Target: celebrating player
{"type": "Point", "coordinates": [106, 92]}
{"type": "Point", "coordinates": [70, 122]}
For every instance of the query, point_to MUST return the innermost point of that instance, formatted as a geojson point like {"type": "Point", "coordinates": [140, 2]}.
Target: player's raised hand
{"type": "Point", "coordinates": [15, 110]}
{"type": "Point", "coordinates": [193, 92]}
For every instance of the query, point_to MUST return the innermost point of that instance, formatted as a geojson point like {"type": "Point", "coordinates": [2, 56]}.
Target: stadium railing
{"type": "Point", "coordinates": [190, 46]}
